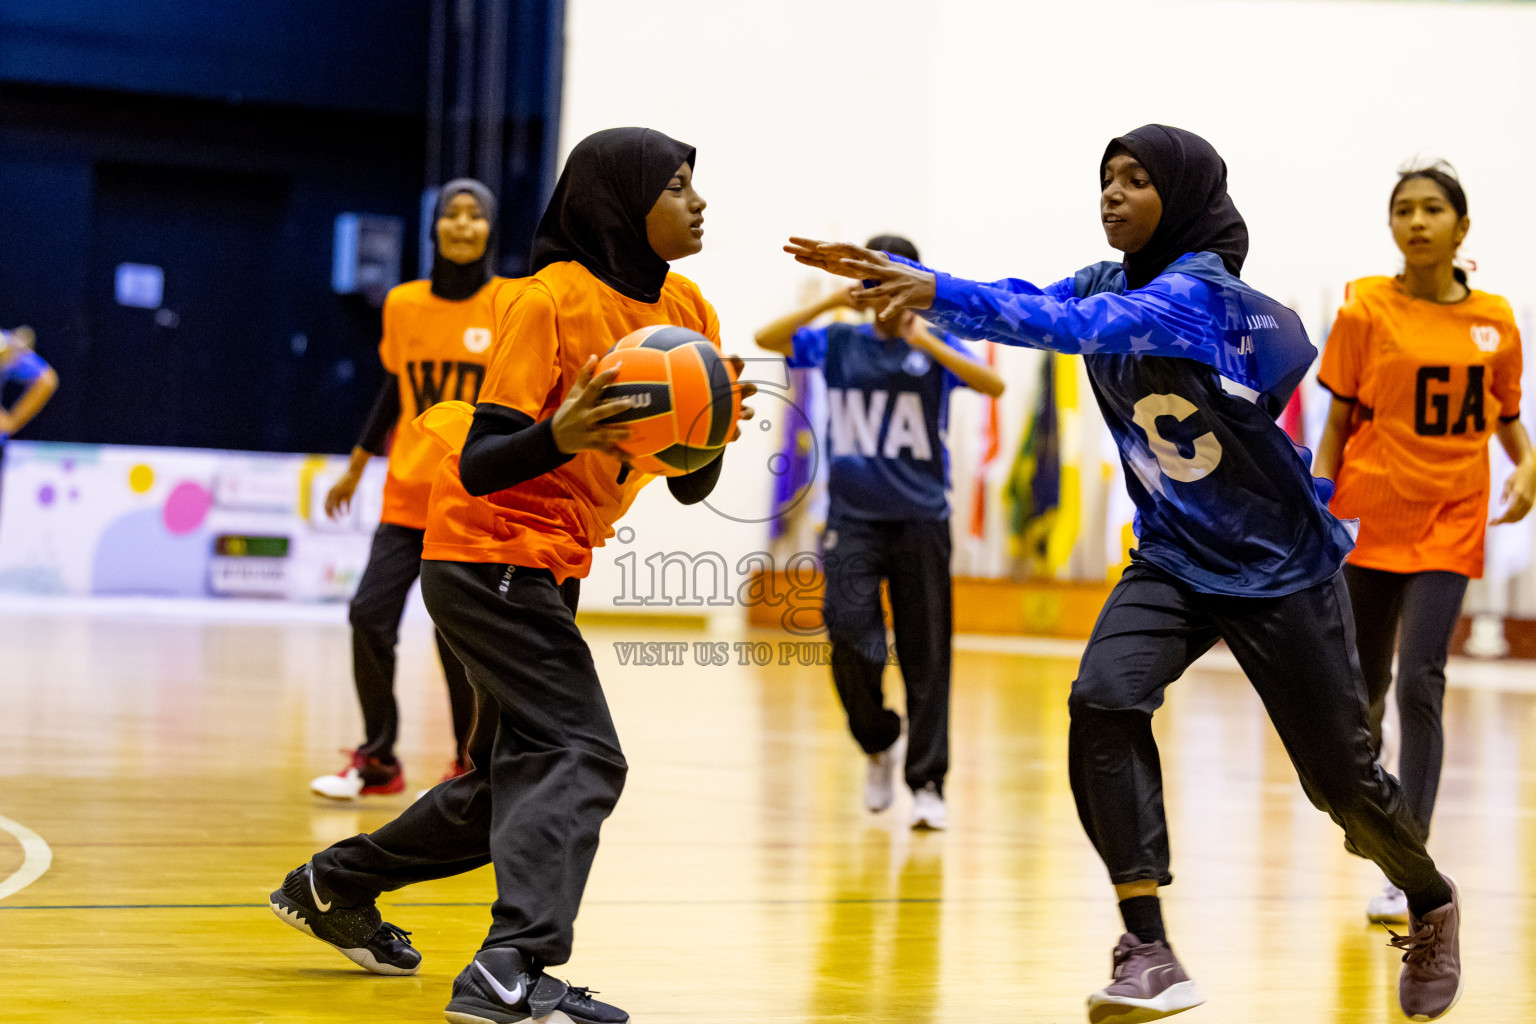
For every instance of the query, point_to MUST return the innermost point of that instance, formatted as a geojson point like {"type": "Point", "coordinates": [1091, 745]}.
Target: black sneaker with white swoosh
{"type": "Point", "coordinates": [498, 987]}
{"type": "Point", "coordinates": [358, 932]}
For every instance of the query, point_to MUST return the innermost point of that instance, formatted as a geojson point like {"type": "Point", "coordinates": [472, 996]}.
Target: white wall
{"type": "Point", "coordinates": [975, 127]}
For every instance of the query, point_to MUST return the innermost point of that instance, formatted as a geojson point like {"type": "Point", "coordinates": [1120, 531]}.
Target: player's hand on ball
{"type": "Point", "coordinates": [896, 286]}
{"type": "Point", "coordinates": [578, 423]}
{"type": "Point", "coordinates": [339, 498]}
{"type": "Point", "coordinates": [746, 388]}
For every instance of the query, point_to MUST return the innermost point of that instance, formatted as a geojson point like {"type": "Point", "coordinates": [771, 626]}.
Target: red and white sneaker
{"type": "Point", "coordinates": [365, 776]}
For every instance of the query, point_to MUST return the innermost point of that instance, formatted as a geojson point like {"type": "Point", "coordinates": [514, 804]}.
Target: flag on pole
{"type": "Point", "coordinates": [1044, 484]}
{"type": "Point", "coordinates": [990, 443]}
{"type": "Point", "coordinates": [1063, 534]}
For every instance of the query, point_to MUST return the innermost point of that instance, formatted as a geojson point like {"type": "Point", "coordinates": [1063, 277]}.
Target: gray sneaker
{"type": "Point", "coordinates": [1431, 980]}
{"type": "Point", "coordinates": [1149, 984]}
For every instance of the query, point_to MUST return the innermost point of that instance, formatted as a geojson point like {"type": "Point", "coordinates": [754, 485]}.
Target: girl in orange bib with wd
{"type": "Point", "coordinates": [1424, 370]}
{"type": "Point", "coordinates": [436, 346]}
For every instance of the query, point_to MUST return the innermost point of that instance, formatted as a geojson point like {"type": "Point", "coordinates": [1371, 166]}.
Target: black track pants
{"type": "Point", "coordinates": [913, 557]}
{"type": "Point", "coordinates": [547, 769]}
{"type": "Point", "coordinates": [1298, 652]}
{"type": "Point", "coordinates": [1414, 613]}
{"type": "Point", "coordinates": [394, 562]}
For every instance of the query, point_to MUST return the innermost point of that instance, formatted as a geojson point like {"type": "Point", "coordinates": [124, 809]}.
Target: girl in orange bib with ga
{"type": "Point", "coordinates": [1423, 370]}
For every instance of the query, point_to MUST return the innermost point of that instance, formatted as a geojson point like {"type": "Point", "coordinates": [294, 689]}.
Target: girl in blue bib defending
{"type": "Point", "coordinates": [1190, 366]}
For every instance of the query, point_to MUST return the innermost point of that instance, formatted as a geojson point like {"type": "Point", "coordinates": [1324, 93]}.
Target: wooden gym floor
{"type": "Point", "coordinates": [163, 759]}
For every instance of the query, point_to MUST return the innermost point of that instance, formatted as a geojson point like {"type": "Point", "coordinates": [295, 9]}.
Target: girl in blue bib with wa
{"type": "Point", "coordinates": [888, 386]}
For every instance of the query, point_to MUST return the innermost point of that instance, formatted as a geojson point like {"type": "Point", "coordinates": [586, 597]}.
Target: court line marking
{"type": "Point", "coordinates": [37, 857]}
{"type": "Point", "coordinates": [1504, 675]}
{"type": "Point", "coordinates": [1085, 899]}
{"type": "Point", "coordinates": [783, 901]}
{"type": "Point", "coordinates": [808, 901]}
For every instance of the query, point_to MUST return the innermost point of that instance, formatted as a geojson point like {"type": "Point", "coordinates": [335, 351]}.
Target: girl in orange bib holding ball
{"type": "Point", "coordinates": [522, 494]}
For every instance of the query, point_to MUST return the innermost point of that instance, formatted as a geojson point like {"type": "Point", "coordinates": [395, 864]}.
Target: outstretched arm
{"type": "Point", "coordinates": [898, 285]}
{"type": "Point", "coordinates": [1153, 321]}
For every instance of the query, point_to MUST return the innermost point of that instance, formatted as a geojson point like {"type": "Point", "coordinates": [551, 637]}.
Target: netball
{"type": "Point", "coordinates": [685, 394]}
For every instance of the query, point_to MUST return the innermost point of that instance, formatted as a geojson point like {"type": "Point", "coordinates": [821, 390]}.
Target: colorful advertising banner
{"type": "Point", "coordinates": [176, 522]}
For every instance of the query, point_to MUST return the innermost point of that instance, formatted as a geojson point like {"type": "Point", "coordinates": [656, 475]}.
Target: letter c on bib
{"type": "Point", "coordinates": [1175, 466]}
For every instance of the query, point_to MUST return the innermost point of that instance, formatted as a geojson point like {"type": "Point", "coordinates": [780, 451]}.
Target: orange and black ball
{"type": "Point", "coordinates": [687, 401]}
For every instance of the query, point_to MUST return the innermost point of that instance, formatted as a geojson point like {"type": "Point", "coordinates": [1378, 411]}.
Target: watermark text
{"type": "Point", "coordinates": [662, 653]}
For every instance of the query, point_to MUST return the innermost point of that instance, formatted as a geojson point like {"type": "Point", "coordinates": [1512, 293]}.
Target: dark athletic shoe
{"type": "Point", "coordinates": [1431, 980]}
{"type": "Point", "coordinates": [358, 932]}
{"type": "Point", "coordinates": [1149, 984]}
{"type": "Point", "coordinates": [498, 988]}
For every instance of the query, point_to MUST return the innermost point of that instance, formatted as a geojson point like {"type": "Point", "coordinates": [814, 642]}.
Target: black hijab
{"type": "Point", "coordinates": [1198, 215]}
{"type": "Point", "coordinates": [597, 213]}
{"type": "Point", "coordinates": [458, 281]}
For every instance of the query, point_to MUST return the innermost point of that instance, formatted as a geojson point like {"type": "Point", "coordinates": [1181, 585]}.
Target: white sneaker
{"type": "Point", "coordinates": [928, 810]}
{"type": "Point", "coordinates": [880, 775]}
{"type": "Point", "coordinates": [1389, 907]}
{"type": "Point", "coordinates": [347, 785]}
{"type": "Point", "coordinates": [1487, 637]}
